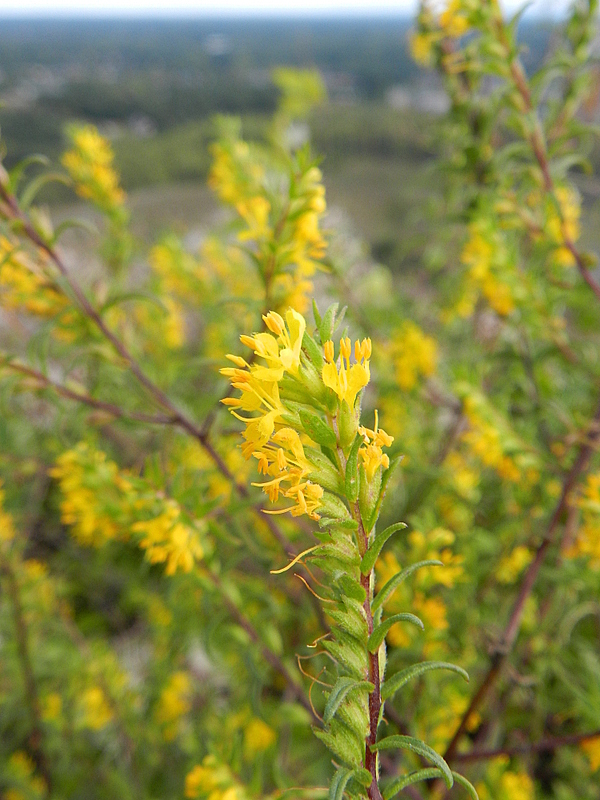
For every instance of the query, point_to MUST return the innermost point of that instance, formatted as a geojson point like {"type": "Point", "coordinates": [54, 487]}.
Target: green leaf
{"type": "Point", "coordinates": [349, 653]}
{"type": "Point", "coordinates": [352, 588]}
{"type": "Point", "coordinates": [424, 775]}
{"type": "Point", "coordinates": [352, 481]}
{"type": "Point", "coordinates": [393, 583]}
{"type": "Point", "coordinates": [313, 351]}
{"type": "Point", "coordinates": [418, 747]}
{"type": "Point", "coordinates": [408, 780]}
{"type": "Point", "coordinates": [342, 743]}
{"type": "Point", "coordinates": [363, 776]}
{"type": "Point", "coordinates": [395, 682]}
{"type": "Point", "coordinates": [378, 635]}
{"type": "Point", "coordinates": [327, 323]}
{"type": "Point", "coordinates": [36, 184]}
{"type": "Point", "coordinates": [318, 430]}
{"type": "Point", "coordinates": [316, 313]}
{"type": "Point", "coordinates": [338, 784]}
{"type": "Point", "coordinates": [370, 557]}
{"type": "Point", "coordinates": [342, 687]}
{"type": "Point", "coordinates": [460, 779]}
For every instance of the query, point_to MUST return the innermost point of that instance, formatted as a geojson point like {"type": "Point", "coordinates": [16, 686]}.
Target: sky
{"type": "Point", "coordinates": [236, 7]}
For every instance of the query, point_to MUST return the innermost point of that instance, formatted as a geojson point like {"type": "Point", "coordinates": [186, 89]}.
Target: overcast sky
{"type": "Point", "coordinates": [219, 7]}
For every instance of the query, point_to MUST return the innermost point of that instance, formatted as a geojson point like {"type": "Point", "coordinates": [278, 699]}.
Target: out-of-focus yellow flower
{"type": "Point", "coordinates": [97, 712]}
{"type": "Point", "coordinates": [174, 703]}
{"type": "Point", "coordinates": [24, 286]}
{"type": "Point", "coordinates": [101, 503]}
{"type": "Point", "coordinates": [7, 529]}
{"type": "Point", "coordinates": [168, 540]}
{"type": "Point", "coordinates": [258, 737]}
{"type": "Point", "coordinates": [453, 20]}
{"type": "Point", "coordinates": [511, 566]}
{"type": "Point", "coordinates": [414, 355]}
{"type": "Point", "coordinates": [213, 780]}
{"type": "Point", "coordinates": [90, 164]}
{"type": "Point", "coordinates": [563, 211]}
{"type": "Point", "coordinates": [591, 747]}
{"type": "Point", "coordinates": [517, 786]}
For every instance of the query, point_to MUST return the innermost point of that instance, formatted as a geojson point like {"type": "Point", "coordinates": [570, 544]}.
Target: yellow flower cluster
{"type": "Point", "coordinates": [277, 447]}
{"type": "Point", "coordinates": [563, 211]}
{"type": "Point", "coordinates": [512, 566]}
{"type": "Point", "coordinates": [173, 704]}
{"type": "Point", "coordinates": [20, 770]}
{"type": "Point", "coordinates": [101, 503]}
{"type": "Point", "coordinates": [303, 244]}
{"type": "Point", "coordinates": [488, 263]}
{"type": "Point", "coordinates": [587, 540]}
{"type": "Point", "coordinates": [370, 453]}
{"type": "Point", "coordinates": [214, 781]}
{"type": "Point", "coordinates": [347, 380]}
{"type": "Point", "coordinates": [277, 392]}
{"type": "Point", "coordinates": [495, 445]}
{"type": "Point", "coordinates": [258, 737]}
{"type": "Point", "coordinates": [452, 22]}
{"type": "Point", "coordinates": [237, 176]}
{"type": "Point", "coordinates": [291, 245]}
{"type": "Point", "coordinates": [90, 164]}
{"type": "Point", "coordinates": [414, 355]}
{"type": "Point", "coordinates": [96, 712]}
{"type": "Point", "coordinates": [168, 540]}
{"type": "Point", "coordinates": [591, 747]}
{"type": "Point", "coordinates": [23, 286]}
{"type": "Point", "coordinates": [79, 472]}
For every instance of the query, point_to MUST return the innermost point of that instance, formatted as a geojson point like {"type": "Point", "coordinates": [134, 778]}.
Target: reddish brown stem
{"type": "Point", "coordinates": [507, 641]}
{"type": "Point", "coordinates": [544, 745]}
{"type": "Point", "coordinates": [373, 670]}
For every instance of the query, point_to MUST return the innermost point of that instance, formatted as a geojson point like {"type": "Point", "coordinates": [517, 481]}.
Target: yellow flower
{"type": "Point", "coordinates": [591, 747]}
{"type": "Point", "coordinates": [414, 355]}
{"type": "Point", "coordinates": [7, 530]}
{"type": "Point", "coordinates": [97, 712]}
{"type": "Point", "coordinates": [347, 381]}
{"type": "Point", "coordinates": [517, 786]}
{"type": "Point", "coordinates": [90, 164]}
{"type": "Point", "coordinates": [258, 737]}
{"type": "Point", "coordinates": [166, 539]}
{"type": "Point", "coordinates": [453, 21]}
{"type": "Point", "coordinates": [371, 453]}
{"type": "Point", "coordinates": [174, 703]}
{"type": "Point", "coordinates": [511, 566]}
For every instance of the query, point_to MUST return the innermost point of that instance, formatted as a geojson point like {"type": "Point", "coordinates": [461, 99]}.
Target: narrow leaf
{"type": "Point", "coordinates": [378, 635]}
{"type": "Point", "coordinates": [327, 323]}
{"type": "Point", "coordinates": [318, 430]}
{"type": "Point", "coordinates": [408, 780]}
{"type": "Point", "coordinates": [338, 784]}
{"type": "Point", "coordinates": [460, 779]}
{"type": "Point", "coordinates": [370, 557]}
{"type": "Point", "coordinates": [395, 682]}
{"type": "Point", "coordinates": [418, 747]}
{"type": "Point", "coordinates": [313, 351]}
{"type": "Point", "coordinates": [393, 583]}
{"type": "Point", "coordinates": [340, 690]}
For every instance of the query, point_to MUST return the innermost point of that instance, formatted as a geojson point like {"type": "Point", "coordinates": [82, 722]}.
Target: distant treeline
{"type": "Point", "coordinates": [164, 73]}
